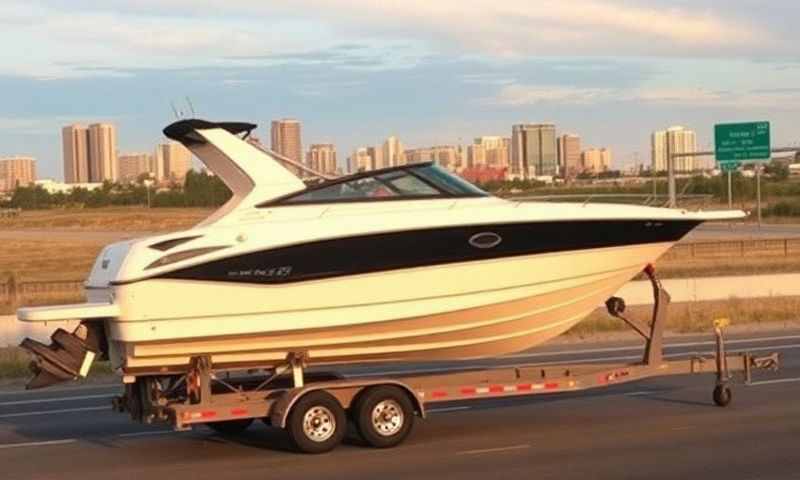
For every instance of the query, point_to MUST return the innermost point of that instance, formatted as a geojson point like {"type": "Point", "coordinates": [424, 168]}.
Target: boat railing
{"type": "Point", "coordinates": [686, 200]}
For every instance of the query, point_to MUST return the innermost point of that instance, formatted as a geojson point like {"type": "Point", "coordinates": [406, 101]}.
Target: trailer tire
{"type": "Point", "coordinates": [722, 395]}
{"type": "Point", "coordinates": [230, 427]}
{"type": "Point", "coordinates": [384, 416]}
{"type": "Point", "coordinates": [316, 423]}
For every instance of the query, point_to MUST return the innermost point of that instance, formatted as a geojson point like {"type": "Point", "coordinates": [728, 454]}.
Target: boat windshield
{"type": "Point", "coordinates": [406, 182]}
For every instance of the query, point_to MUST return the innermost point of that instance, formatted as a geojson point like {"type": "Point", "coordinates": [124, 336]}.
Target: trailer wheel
{"type": "Point", "coordinates": [722, 395]}
{"type": "Point", "coordinates": [384, 416]}
{"type": "Point", "coordinates": [230, 427]}
{"type": "Point", "coordinates": [317, 423]}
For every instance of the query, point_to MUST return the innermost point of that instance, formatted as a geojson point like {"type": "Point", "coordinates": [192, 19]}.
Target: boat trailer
{"type": "Point", "coordinates": [314, 407]}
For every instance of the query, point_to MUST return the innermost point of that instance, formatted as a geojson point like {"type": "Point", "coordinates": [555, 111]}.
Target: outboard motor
{"type": "Point", "coordinates": [69, 357]}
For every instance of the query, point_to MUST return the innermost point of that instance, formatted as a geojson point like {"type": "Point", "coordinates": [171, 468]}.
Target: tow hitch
{"type": "Point", "coordinates": [69, 357]}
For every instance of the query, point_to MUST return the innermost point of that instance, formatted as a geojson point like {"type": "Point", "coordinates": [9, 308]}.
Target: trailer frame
{"type": "Point", "coordinates": [206, 395]}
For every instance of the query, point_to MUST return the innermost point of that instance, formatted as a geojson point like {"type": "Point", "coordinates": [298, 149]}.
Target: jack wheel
{"type": "Point", "coordinates": [316, 423]}
{"type": "Point", "coordinates": [722, 395]}
{"type": "Point", "coordinates": [230, 427]}
{"type": "Point", "coordinates": [384, 416]}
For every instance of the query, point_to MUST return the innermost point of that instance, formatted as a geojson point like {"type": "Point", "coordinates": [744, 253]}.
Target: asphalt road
{"type": "Point", "coordinates": [658, 428]}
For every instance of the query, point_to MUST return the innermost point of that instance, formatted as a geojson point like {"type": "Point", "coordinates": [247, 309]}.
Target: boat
{"type": "Point", "coordinates": [393, 265]}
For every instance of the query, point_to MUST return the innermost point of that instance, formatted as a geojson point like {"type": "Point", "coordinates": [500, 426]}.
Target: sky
{"type": "Point", "coordinates": [430, 72]}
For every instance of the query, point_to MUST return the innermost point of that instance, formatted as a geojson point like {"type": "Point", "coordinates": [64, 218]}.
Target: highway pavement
{"type": "Point", "coordinates": [664, 427]}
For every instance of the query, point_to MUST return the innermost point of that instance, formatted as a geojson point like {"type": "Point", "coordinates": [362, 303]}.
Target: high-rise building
{"type": "Point", "coordinates": [134, 165]}
{"type": "Point", "coordinates": [360, 161]}
{"type": "Point", "coordinates": [102, 152]}
{"type": "Point", "coordinates": [285, 135]}
{"type": "Point", "coordinates": [322, 158]}
{"type": "Point", "coordinates": [376, 157]}
{"type": "Point", "coordinates": [392, 154]}
{"type": "Point", "coordinates": [488, 151]}
{"type": "Point", "coordinates": [16, 171]}
{"type": "Point", "coordinates": [569, 155]}
{"type": "Point", "coordinates": [665, 143]}
{"type": "Point", "coordinates": [176, 160]}
{"type": "Point", "coordinates": [75, 147]}
{"type": "Point", "coordinates": [596, 160]}
{"type": "Point", "coordinates": [533, 150]}
{"type": "Point", "coordinates": [446, 156]}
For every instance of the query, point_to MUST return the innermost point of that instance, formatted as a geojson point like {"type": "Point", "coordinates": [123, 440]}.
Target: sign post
{"type": "Point", "coordinates": [742, 142]}
{"type": "Point", "coordinates": [729, 167]}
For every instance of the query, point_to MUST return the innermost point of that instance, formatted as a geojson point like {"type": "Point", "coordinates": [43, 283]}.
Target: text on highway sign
{"type": "Point", "coordinates": [742, 141]}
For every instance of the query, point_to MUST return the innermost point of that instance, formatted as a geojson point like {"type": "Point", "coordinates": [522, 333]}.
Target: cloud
{"type": "Point", "coordinates": [518, 95]}
{"type": "Point", "coordinates": [160, 33]}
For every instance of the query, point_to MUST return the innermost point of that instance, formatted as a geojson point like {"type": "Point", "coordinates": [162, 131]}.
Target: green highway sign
{"type": "Point", "coordinates": [729, 166]}
{"type": "Point", "coordinates": [735, 142]}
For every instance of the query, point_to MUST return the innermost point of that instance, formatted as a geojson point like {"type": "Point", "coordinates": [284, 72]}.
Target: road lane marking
{"type": "Point", "coordinates": [495, 450]}
{"type": "Point", "coordinates": [446, 409]}
{"type": "Point", "coordinates": [55, 399]}
{"type": "Point", "coordinates": [53, 412]}
{"type": "Point", "coordinates": [38, 444]}
{"type": "Point", "coordinates": [640, 393]}
{"type": "Point", "coordinates": [143, 434]}
{"type": "Point", "coordinates": [24, 393]}
{"type": "Point", "coordinates": [778, 380]}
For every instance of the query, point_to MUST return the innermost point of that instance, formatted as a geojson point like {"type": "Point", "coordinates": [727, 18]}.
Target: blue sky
{"type": "Point", "coordinates": [356, 71]}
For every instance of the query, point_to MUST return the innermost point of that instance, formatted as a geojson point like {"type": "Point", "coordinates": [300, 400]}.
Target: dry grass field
{"type": "Point", "coordinates": [122, 219]}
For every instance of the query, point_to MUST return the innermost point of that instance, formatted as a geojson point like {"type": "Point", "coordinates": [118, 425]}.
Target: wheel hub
{"type": "Point", "coordinates": [387, 418]}
{"type": "Point", "coordinates": [319, 424]}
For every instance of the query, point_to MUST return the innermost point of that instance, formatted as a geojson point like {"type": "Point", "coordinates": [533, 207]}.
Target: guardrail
{"type": "Point", "coordinates": [10, 212]}
{"type": "Point", "coordinates": [15, 293]}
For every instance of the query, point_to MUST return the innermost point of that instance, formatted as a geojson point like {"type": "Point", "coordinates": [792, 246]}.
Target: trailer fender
{"type": "Point", "coordinates": [344, 391]}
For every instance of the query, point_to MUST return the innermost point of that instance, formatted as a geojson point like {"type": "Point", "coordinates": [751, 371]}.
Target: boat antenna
{"type": "Point", "coordinates": [294, 163]}
{"type": "Point", "coordinates": [191, 107]}
{"type": "Point", "coordinates": [175, 111]}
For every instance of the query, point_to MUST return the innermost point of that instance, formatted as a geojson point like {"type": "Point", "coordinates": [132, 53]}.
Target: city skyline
{"type": "Point", "coordinates": [431, 81]}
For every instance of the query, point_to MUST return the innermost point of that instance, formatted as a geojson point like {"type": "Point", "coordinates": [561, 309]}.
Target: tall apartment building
{"type": "Point", "coordinates": [134, 165]}
{"type": "Point", "coordinates": [664, 143]}
{"type": "Point", "coordinates": [446, 156]}
{"type": "Point", "coordinates": [285, 136]}
{"type": "Point", "coordinates": [175, 160]}
{"type": "Point", "coordinates": [392, 153]}
{"type": "Point", "coordinates": [89, 153]}
{"type": "Point", "coordinates": [102, 152]}
{"type": "Point", "coordinates": [488, 151]}
{"type": "Point", "coordinates": [322, 158]}
{"type": "Point", "coordinates": [16, 171]}
{"type": "Point", "coordinates": [360, 161]}
{"type": "Point", "coordinates": [568, 147]}
{"type": "Point", "coordinates": [75, 148]}
{"type": "Point", "coordinates": [533, 150]}
{"type": "Point", "coordinates": [376, 157]}
{"type": "Point", "coordinates": [596, 160]}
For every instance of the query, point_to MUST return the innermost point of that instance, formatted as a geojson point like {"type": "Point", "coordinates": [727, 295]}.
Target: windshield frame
{"type": "Point", "coordinates": [443, 193]}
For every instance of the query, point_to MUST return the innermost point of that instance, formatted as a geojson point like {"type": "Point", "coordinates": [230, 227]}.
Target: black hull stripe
{"type": "Point", "coordinates": [399, 250]}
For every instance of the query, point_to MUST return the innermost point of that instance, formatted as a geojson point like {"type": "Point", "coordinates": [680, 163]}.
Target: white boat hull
{"type": "Point", "coordinates": [469, 310]}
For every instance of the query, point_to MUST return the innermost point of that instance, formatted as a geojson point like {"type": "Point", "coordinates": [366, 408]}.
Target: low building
{"type": "Point", "coordinates": [51, 186]}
